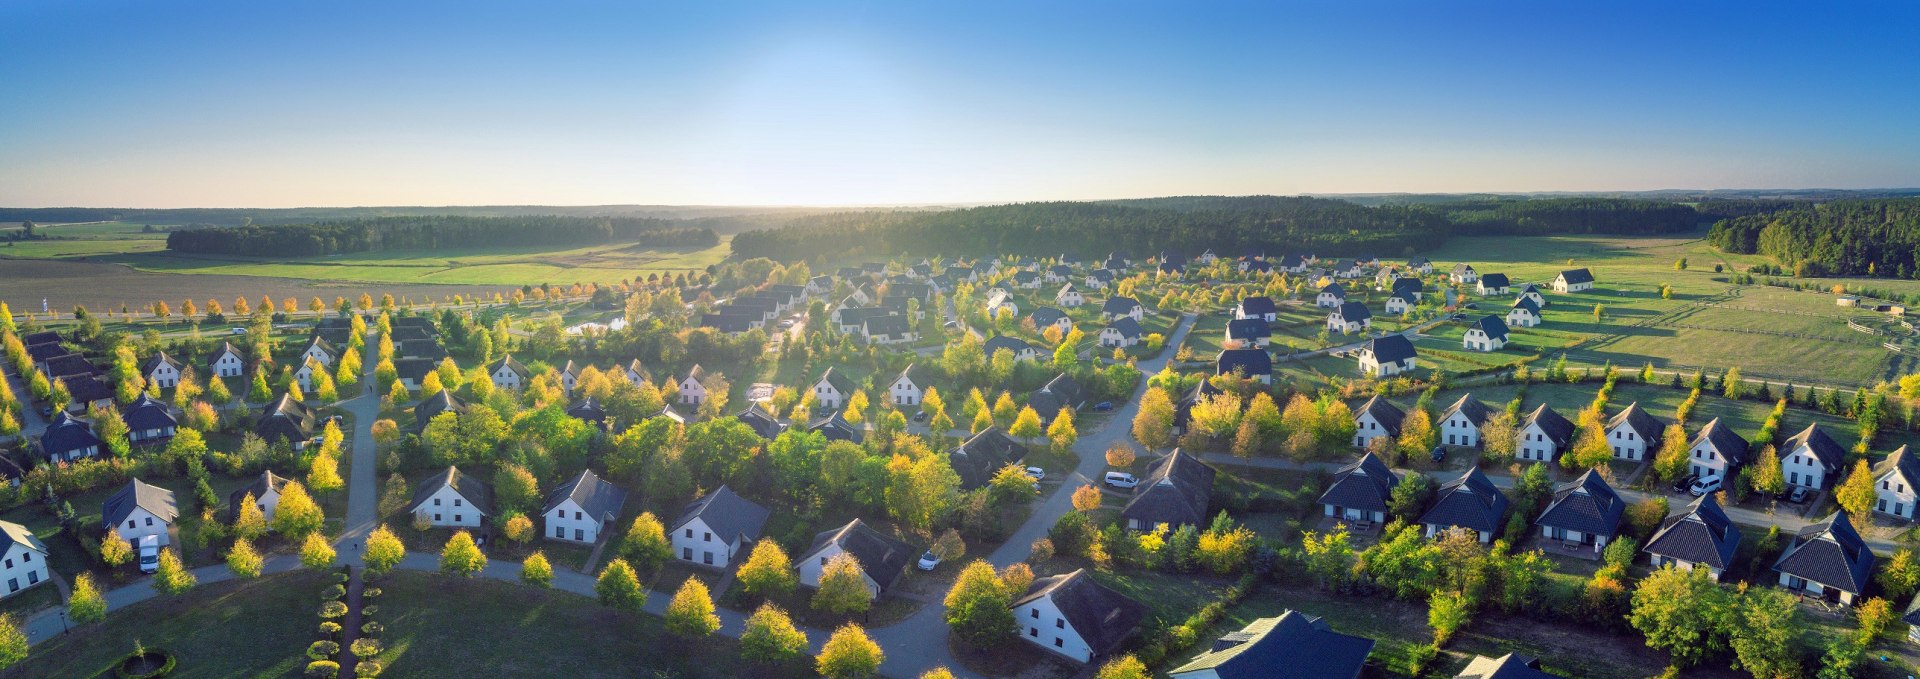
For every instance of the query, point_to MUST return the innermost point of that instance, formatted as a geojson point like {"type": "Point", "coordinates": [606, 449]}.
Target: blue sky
{"type": "Point", "coordinates": [157, 104]}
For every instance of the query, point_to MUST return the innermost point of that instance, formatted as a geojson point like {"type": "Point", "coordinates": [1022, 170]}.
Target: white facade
{"type": "Point", "coordinates": [1894, 496]}
{"type": "Point", "coordinates": [1802, 468]}
{"type": "Point", "coordinates": [447, 509]}
{"type": "Point", "coordinates": [1477, 340]}
{"type": "Point", "coordinates": [139, 524]}
{"type": "Point", "coordinates": [1660, 561]}
{"type": "Point", "coordinates": [1798, 584]}
{"type": "Point", "coordinates": [903, 392]}
{"type": "Point", "coordinates": [1398, 305]}
{"type": "Point", "coordinates": [1042, 624]}
{"type": "Point", "coordinates": [1482, 288]}
{"type": "Point", "coordinates": [1343, 325]}
{"type": "Point", "coordinates": [1704, 460]}
{"type": "Point", "coordinates": [1560, 284]}
{"type": "Point", "coordinates": [268, 502]}
{"type": "Point", "coordinates": [1627, 443]}
{"type": "Point", "coordinates": [1069, 297]}
{"type": "Point", "coordinates": [24, 567]}
{"type": "Point", "coordinates": [1366, 429]}
{"type": "Point", "coordinates": [695, 542]}
{"type": "Point", "coordinates": [305, 375]}
{"type": "Point", "coordinates": [1326, 300]}
{"type": "Point", "coordinates": [1536, 445]}
{"type": "Point", "coordinates": [229, 364]}
{"type": "Point", "coordinates": [827, 396]}
{"type": "Point", "coordinates": [315, 353]}
{"type": "Point", "coordinates": [1110, 337]}
{"type": "Point", "coordinates": [811, 567]}
{"type": "Point", "coordinates": [692, 392]}
{"type": "Point", "coordinates": [568, 523]}
{"type": "Point", "coordinates": [505, 378]}
{"type": "Point", "coordinates": [1522, 318]}
{"type": "Point", "coordinates": [1459, 431]}
{"type": "Point", "coordinates": [1371, 365]}
{"type": "Point", "coordinates": [164, 375]}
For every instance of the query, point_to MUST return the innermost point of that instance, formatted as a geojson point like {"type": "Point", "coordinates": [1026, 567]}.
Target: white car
{"type": "Point", "coordinates": [1704, 486]}
{"type": "Point", "coordinates": [1121, 480]}
{"type": "Point", "coordinates": [929, 561]}
{"type": "Point", "coordinates": [1037, 473]}
{"type": "Point", "coordinates": [150, 554]}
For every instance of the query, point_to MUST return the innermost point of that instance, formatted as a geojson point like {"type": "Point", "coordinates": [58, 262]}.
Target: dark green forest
{"type": "Point", "coordinates": [1842, 237]}
{"type": "Point", "coordinates": [405, 233]}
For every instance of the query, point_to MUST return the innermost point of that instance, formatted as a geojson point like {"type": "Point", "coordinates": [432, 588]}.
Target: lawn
{"type": "Point", "coordinates": [254, 628]}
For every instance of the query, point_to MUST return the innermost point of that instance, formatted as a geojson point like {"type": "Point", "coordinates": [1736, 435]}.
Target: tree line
{"type": "Point", "coordinates": [395, 233]}
{"type": "Point", "coordinates": [1843, 237]}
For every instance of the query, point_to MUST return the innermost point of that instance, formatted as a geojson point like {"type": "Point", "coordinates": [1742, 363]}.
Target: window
{"type": "Point", "coordinates": [26, 558]}
{"type": "Point", "coordinates": [131, 524]}
{"type": "Point", "coordinates": [10, 561]}
{"type": "Point", "coordinates": [436, 517]}
{"type": "Point", "coordinates": [689, 532]}
{"type": "Point", "coordinates": [706, 537]}
{"type": "Point", "coordinates": [436, 502]}
{"type": "Point", "coordinates": [149, 520]}
{"type": "Point", "coordinates": [823, 562]}
{"type": "Point", "coordinates": [578, 516]}
{"type": "Point", "coordinates": [457, 518]}
{"type": "Point", "coordinates": [559, 531]}
{"type": "Point", "coordinates": [33, 577]}
{"type": "Point", "coordinates": [1033, 613]}
{"type": "Point", "coordinates": [1033, 631]}
{"type": "Point", "coordinates": [1059, 643]}
{"type": "Point", "coordinates": [13, 584]}
{"type": "Point", "coordinates": [1059, 623]}
{"type": "Point", "coordinates": [456, 502]}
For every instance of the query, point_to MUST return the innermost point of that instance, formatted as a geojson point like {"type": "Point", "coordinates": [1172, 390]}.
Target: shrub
{"type": "Point", "coordinates": [167, 661]}
{"type": "Point", "coordinates": [329, 629]}
{"type": "Point", "coordinates": [368, 611]}
{"type": "Point", "coordinates": [367, 669]}
{"type": "Point", "coordinates": [333, 609]}
{"type": "Point", "coordinates": [323, 669]}
{"type": "Point", "coordinates": [333, 593]}
{"type": "Point", "coordinates": [323, 650]}
{"type": "Point", "coordinates": [370, 593]}
{"type": "Point", "coordinates": [340, 579]}
{"type": "Point", "coordinates": [372, 629]}
{"type": "Point", "coordinates": [366, 648]}
{"type": "Point", "coordinates": [1420, 658]}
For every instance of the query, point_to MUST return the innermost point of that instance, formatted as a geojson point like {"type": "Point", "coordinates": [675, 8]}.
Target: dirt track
{"type": "Point", "coordinates": [103, 287]}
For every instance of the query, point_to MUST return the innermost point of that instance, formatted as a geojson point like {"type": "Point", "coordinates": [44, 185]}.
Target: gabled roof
{"type": "Point", "coordinates": [1509, 666]}
{"type": "Point", "coordinates": [1494, 280]}
{"type": "Point", "coordinates": [324, 346]}
{"type": "Point", "coordinates": [1902, 464]}
{"type": "Point", "coordinates": [836, 380]}
{"type": "Point", "coordinates": [595, 496]}
{"type": "Point", "coordinates": [156, 500]}
{"type": "Point", "coordinates": [1102, 617]}
{"type": "Point", "coordinates": [1476, 412]}
{"type": "Point", "coordinates": [695, 373]}
{"type": "Point", "coordinates": [1586, 504]}
{"type": "Point", "coordinates": [887, 326]}
{"type": "Point", "coordinates": [1830, 553]}
{"type": "Point", "coordinates": [1119, 305]}
{"type": "Point", "coordinates": [1246, 329]}
{"type": "Point", "coordinates": [1352, 311]}
{"type": "Point", "coordinates": [257, 489]}
{"type": "Point", "coordinates": [764, 425]}
{"type": "Point", "coordinates": [1470, 501]}
{"type": "Point", "coordinates": [430, 407]}
{"type": "Point", "coordinates": [67, 433]}
{"type": "Point", "coordinates": [918, 376]}
{"type": "Point", "coordinates": [1290, 646]}
{"type": "Point", "coordinates": [1462, 267]}
{"type": "Point", "coordinates": [1408, 284]}
{"type": "Point", "coordinates": [226, 348]}
{"type": "Point", "coordinates": [146, 412]}
{"type": "Point", "coordinates": [1175, 492]}
{"type": "Point", "coordinates": [15, 538]}
{"type": "Point", "coordinates": [881, 557]}
{"type": "Point", "coordinates": [513, 365]}
{"type": "Point", "coordinates": [476, 492]}
{"type": "Point", "coordinates": [1334, 289]}
{"type": "Point", "coordinates": [1256, 305]}
{"type": "Point", "coordinates": [287, 418]}
{"type": "Point", "coordinates": [589, 409]}
{"type": "Point", "coordinates": [1010, 343]}
{"type": "Point", "coordinates": [68, 365]}
{"type": "Point", "coordinates": [1702, 535]}
{"type": "Point", "coordinates": [1830, 454]}
{"type": "Point", "coordinates": [837, 428]}
{"type": "Point", "coordinates": [1638, 421]}
{"type": "Point", "coordinates": [727, 514]}
{"type": "Point", "coordinates": [1059, 393]}
{"type": "Point", "coordinates": [1045, 316]}
{"type": "Point", "coordinates": [1390, 348]}
{"type": "Point", "coordinates": [34, 339]}
{"type": "Point", "coordinates": [982, 456]}
{"type": "Point", "coordinates": [1723, 440]}
{"type": "Point", "coordinates": [1580, 275]}
{"type": "Point", "coordinates": [1064, 289]}
{"type": "Point", "coordinates": [1552, 424]}
{"type": "Point", "coordinates": [1495, 327]}
{"type": "Point", "coordinates": [1126, 326]}
{"type": "Point", "coordinates": [1252, 362]}
{"type": "Point", "coordinates": [1388, 415]}
{"type": "Point", "coordinates": [87, 388]}
{"type": "Point", "coordinates": [1366, 483]}
{"type": "Point", "coordinates": [154, 361]}
{"type": "Point", "coordinates": [1526, 305]}
{"type": "Point", "coordinates": [1531, 288]}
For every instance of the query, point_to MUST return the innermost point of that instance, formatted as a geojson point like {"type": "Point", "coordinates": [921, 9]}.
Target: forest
{"type": "Point", "coordinates": [1842, 237]}
{"type": "Point", "coordinates": [400, 233]}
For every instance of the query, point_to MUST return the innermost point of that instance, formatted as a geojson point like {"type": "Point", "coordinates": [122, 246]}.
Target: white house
{"type": "Point", "coordinates": [1573, 280]}
{"type": "Point", "coordinates": [1376, 418]}
{"type": "Point", "coordinates": [1493, 284]}
{"type": "Point", "coordinates": [1124, 332]}
{"type": "Point", "coordinates": [507, 373]}
{"type": "Point", "coordinates": [69, 438]}
{"type": "Point", "coordinates": [1531, 293]}
{"type": "Point", "coordinates": [305, 374]}
{"type": "Point", "coordinates": [882, 559]}
{"type": "Point", "coordinates": [1544, 435]}
{"type": "Point", "coordinates": [1634, 434]}
{"type": "Point", "coordinates": [1464, 274]}
{"type": "Point", "coordinates": [1117, 306]}
{"type": "Point", "coordinates": [1046, 316]}
{"type": "Point", "coordinates": [1489, 333]}
{"type": "Point", "coordinates": [318, 350]}
{"type": "Point", "coordinates": [1361, 491]}
{"type": "Point", "coordinates": [140, 510]}
{"type": "Point", "coordinates": [161, 370]}
{"type": "Point", "coordinates": [149, 421]}
{"type": "Point", "coordinates": [1387, 356]}
{"type": "Point", "coordinates": [1827, 560]}
{"type": "Point", "coordinates": [1399, 302]}
{"type": "Point", "coordinates": [909, 387]}
{"type": "Point", "coordinates": [1262, 307]}
{"type": "Point", "coordinates": [453, 500]}
{"type": "Point", "coordinates": [692, 391]}
{"type": "Point", "coordinates": [578, 510]}
{"type": "Point", "coordinates": [1074, 617]}
{"type": "Point", "coordinates": [569, 378]}
{"type": "Point", "coordinates": [832, 390]}
{"type": "Point", "coordinates": [227, 361]}
{"type": "Point", "coordinates": [715, 528]}
{"type": "Point", "coordinates": [1811, 458]}
{"type": "Point", "coordinates": [1069, 297]}
{"type": "Point", "coordinates": [1471, 502]}
{"type": "Point", "coordinates": [1894, 480]}
{"type": "Point", "coordinates": [23, 558]}
{"type": "Point", "coordinates": [1524, 314]}
{"type": "Point", "coordinates": [1349, 317]}
{"type": "Point", "coordinates": [1001, 299]}
{"type": "Point", "coordinates": [1460, 423]}
{"type": "Point", "coordinates": [265, 491]}
{"type": "Point", "coordinates": [1331, 295]}
{"type": "Point", "coordinates": [1716, 451]}
{"type": "Point", "coordinates": [1584, 513]}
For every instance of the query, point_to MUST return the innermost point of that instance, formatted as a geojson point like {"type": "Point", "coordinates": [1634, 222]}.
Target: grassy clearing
{"type": "Point", "coordinates": [475, 266]}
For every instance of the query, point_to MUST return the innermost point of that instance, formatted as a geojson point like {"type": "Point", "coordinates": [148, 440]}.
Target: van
{"type": "Point", "coordinates": [1705, 485]}
{"type": "Point", "coordinates": [1121, 480]}
{"type": "Point", "coordinates": [150, 554]}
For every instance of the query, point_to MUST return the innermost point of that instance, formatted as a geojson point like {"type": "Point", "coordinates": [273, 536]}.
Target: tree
{"type": "Point", "coordinates": [646, 543]}
{"type": "Point", "coordinates": [978, 607]}
{"type": "Point", "coordinates": [1682, 613]}
{"type": "Point", "coordinates": [394, 496]}
{"type": "Point", "coordinates": [843, 588]}
{"type": "Point", "coordinates": [259, 391]}
{"type": "Point", "coordinates": [1329, 557]}
{"type": "Point", "coordinates": [1061, 432]}
{"type": "Point", "coordinates": [1153, 425]}
{"type": "Point", "coordinates": [296, 515]}
{"type": "Point", "coordinates": [1123, 667]}
{"type": "Point", "coordinates": [1447, 613]}
{"type": "Point", "coordinates": [461, 556]}
{"type": "Point", "coordinates": [324, 473]}
{"type": "Point", "coordinates": [1856, 494]}
{"type": "Point", "coordinates": [1767, 477]}
{"type": "Point", "coordinates": [1500, 438]}
{"type": "Point", "coordinates": [619, 588]}
{"type": "Point", "coordinates": [767, 572]}
{"type": "Point", "coordinates": [115, 550]}
{"type": "Point", "coordinates": [690, 613]}
{"type": "Point", "coordinates": [249, 523]}
{"type": "Point", "coordinates": [1409, 496]}
{"type": "Point", "coordinates": [770, 637]}
{"type": "Point", "coordinates": [519, 528]}
{"type": "Point", "coordinates": [172, 578]}
{"type": "Point", "coordinates": [384, 550]}
{"type": "Point", "coordinates": [1671, 461]}
{"type": "Point", "coordinates": [13, 642]}
{"type": "Point", "coordinates": [243, 561]}
{"type": "Point", "coordinates": [1026, 425]}
{"type": "Point", "coordinates": [515, 489]}
{"type": "Point", "coordinates": [1901, 574]}
{"type": "Point", "coordinates": [1086, 498]}
{"type": "Point", "coordinates": [849, 654]}
{"type": "Point", "coordinates": [536, 571]}
{"type": "Point", "coordinates": [87, 604]}
{"type": "Point", "coordinates": [315, 552]}
{"type": "Point", "coordinates": [1416, 434]}
{"type": "Point", "coordinates": [1120, 455]}
{"type": "Point", "coordinates": [217, 390]}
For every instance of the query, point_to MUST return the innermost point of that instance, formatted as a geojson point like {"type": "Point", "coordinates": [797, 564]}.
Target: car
{"type": "Point", "coordinates": [1793, 495]}
{"type": "Point", "coordinates": [1459, 317]}
{"type": "Point", "coordinates": [1683, 483]}
{"type": "Point", "coordinates": [1037, 473]}
{"type": "Point", "coordinates": [929, 561]}
{"type": "Point", "coordinates": [149, 553]}
{"type": "Point", "coordinates": [1471, 305]}
{"type": "Point", "coordinates": [951, 325]}
{"type": "Point", "coordinates": [920, 416]}
{"type": "Point", "coordinates": [1439, 454]}
{"type": "Point", "coordinates": [1704, 486]}
{"type": "Point", "coordinates": [1103, 406]}
{"type": "Point", "coordinates": [236, 331]}
{"type": "Point", "coordinates": [786, 323]}
{"type": "Point", "coordinates": [1121, 480]}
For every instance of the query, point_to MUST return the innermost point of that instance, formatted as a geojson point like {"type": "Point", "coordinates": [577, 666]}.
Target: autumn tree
{"type": "Point", "coordinates": [384, 550]}
{"type": "Point", "coordinates": [315, 552]}
{"type": "Point", "coordinates": [461, 556]}
{"type": "Point", "coordinates": [978, 607]}
{"type": "Point", "coordinates": [1856, 494]}
{"type": "Point", "coordinates": [767, 572]}
{"type": "Point", "coordinates": [1153, 425]}
{"type": "Point", "coordinates": [172, 578]}
{"type": "Point", "coordinates": [770, 637]}
{"type": "Point", "coordinates": [296, 515]}
{"type": "Point", "coordinates": [843, 588]}
{"type": "Point", "coordinates": [87, 605]}
{"type": "Point", "coordinates": [1682, 613]}
{"type": "Point", "coordinates": [1086, 498]}
{"type": "Point", "coordinates": [690, 612]}
{"type": "Point", "coordinates": [849, 654]}
{"type": "Point", "coordinates": [536, 571]}
{"type": "Point", "coordinates": [618, 587]}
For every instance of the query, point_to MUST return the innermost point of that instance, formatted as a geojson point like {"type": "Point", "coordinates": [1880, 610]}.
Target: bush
{"type": "Point", "coordinates": [323, 669]}
{"type": "Point", "coordinates": [366, 648]}
{"type": "Point", "coordinates": [372, 629]}
{"type": "Point", "coordinates": [332, 609]}
{"type": "Point", "coordinates": [367, 669]}
{"type": "Point", "coordinates": [340, 579]}
{"type": "Point", "coordinates": [333, 593]}
{"type": "Point", "coordinates": [1420, 658]}
{"type": "Point", "coordinates": [370, 593]}
{"type": "Point", "coordinates": [323, 650]}
{"type": "Point", "coordinates": [329, 629]}
{"type": "Point", "coordinates": [368, 611]}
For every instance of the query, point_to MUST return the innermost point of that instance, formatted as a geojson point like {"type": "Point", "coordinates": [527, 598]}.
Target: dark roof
{"type": "Point", "coordinates": [1010, 343]}
{"type": "Point", "coordinates": [1175, 492]}
{"type": "Point", "coordinates": [1527, 304]}
{"type": "Point", "coordinates": [1830, 553]}
{"type": "Point", "coordinates": [42, 352]}
{"type": "Point", "coordinates": [729, 515]}
{"type": "Point", "coordinates": [414, 369]}
{"type": "Point", "coordinates": [87, 388]}
{"type": "Point", "coordinates": [1462, 267]}
{"type": "Point", "coordinates": [441, 401]}
{"type": "Point", "coordinates": [1552, 424]}
{"type": "Point", "coordinates": [1475, 411]}
{"type": "Point", "coordinates": [1494, 280]}
{"type": "Point", "coordinates": [67, 433]}
{"type": "Point", "coordinates": [477, 492]}
{"type": "Point", "coordinates": [429, 349]}
{"type": "Point", "coordinates": [34, 339]}
{"type": "Point", "coordinates": [881, 557]}
{"type": "Point", "coordinates": [1702, 535]}
{"type": "Point", "coordinates": [411, 333]}
{"type": "Point", "coordinates": [887, 326]}
{"type": "Point", "coordinates": [1408, 284]}
{"type": "Point", "coordinates": [156, 500]}
{"type": "Point", "coordinates": [1251, 362]}
{"type": "Point", "coordinates": [147, 412]}
{"type": "Point", "coordinates": [1119, 305]}
{"type": "Point", "coordinates": [1831, 455]}
{"type": "Point", "coordinates": [1352, 311]}
{"type": "Point", "coordinates": [13, 534]}
{"type": "Point", "coordinates": [837, 381]}
{"type": "Point", "coordinates": [1291, 646]}
{"type": "Point", "coordinates": [1723, 440]}
{"type": "Point", "coordinates": [154, 361]}
{"type": "Point", "coordinates": [1045, 316]}
{"type": "Point", "coordinates": [1061, 392]}
{"type": "Point", "coordinates": [507, 360]}
{"type": "Point", "coordinates": [762, 424]}
{"type": "Point", "coordinates": [69, 365]}
{"type": "Point", "coordinates": [1390, 348]}
{"type": "Point", "coordinates": [325, 346]}
{"type": "Point", "coordinates": [1334, 289]}
{"type": "Point", "coordinates": [1639, 422]}
{"type": "Point", "coordinates": [1256, 305]}
{"type": "Point", "coordinates": [1509, 666]}
{"type": "Point", "coordinates": [1494, 326]}
{"type": "Point", "coordinates": [1577, 275]}
{"type": "Point", "coordinates": [729, 322]}
{"type": "Point", "coordinates": [1126, 326]}
{"type": "Point", "coordinates": [1101, 616]}
{"type": "Point", "coordinates": [1903, 462]}
{"type": "Point", "coordinates": [837, 428]}
{"type": "Point", "coordinates": [1248, 329]}
{"type": "Point", "coordinates": [1183, 410]}
{"type": "Point", "coordinates": [980, 457]}
{"type": "Point", "coordinates": [285, 417]}
{"type": "Point", "coordinates": [1586, 504]}
{"type": "Point", "coordinates": [257, 489]}
{"type": "Point", "coordinates": [596, 497]}
{"type": "Point", "coordinates": [1365, 483]}
{"type": "Point", "coordinates": [1470, 501]}
{"type": "Point", "coordinates": [588, 409]}
{"type": "Point", "coordinates": [1388, 415]}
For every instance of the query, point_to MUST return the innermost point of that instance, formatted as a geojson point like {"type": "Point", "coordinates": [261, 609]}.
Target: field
{"type": "Point", "coordinates": [468, 266]}
{"type": "Point", "coordinates": [105, 287]}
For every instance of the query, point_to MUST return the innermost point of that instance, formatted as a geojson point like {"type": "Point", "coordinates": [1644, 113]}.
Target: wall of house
{"type": "Point", "coordinates": [1801, 468]}
{"type": "Point", "coordinates": [139, 524]}
{"type": "Point", "coordinates": [1895, 497]}
{"type": "Point", "coordinates": [811, 567]}
{"type": "Point", "coordinates": [567, 518]}
{"type": "Point", "coordinates": [696, 543]}
{"type": "Point", "coordinates": [22, 568]}
{"type": "Point", "coordinates": [1042, 625]}
{"type": "Point", "coordinates": [1627, 444]}
{"type": "Point", "coordinates": [447, 508]}
{"type": "Point", "coordinates": [1459, 431]}
{"type": "Point", "coordinates": [1703, 461]}
{"type": "Point", "coordinates": [1536, 445]}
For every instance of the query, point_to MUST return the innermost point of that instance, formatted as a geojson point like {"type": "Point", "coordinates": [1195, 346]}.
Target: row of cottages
{"type": "Point", "coordinates": [149, 421]}
{"type": "Point", "coordinates": [578, 511]}
{"type": "Point", "coordinates": [84, 382]}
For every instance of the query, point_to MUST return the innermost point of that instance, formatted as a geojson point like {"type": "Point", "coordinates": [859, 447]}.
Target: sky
{"type": "Point", "coordinates": [716, 102]}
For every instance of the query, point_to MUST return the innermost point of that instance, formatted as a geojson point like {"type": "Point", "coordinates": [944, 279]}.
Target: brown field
{"type": "Point", "coordinates": [103, 287]}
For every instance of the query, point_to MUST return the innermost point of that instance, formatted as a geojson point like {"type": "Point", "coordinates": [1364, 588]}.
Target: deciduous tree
{"type": "Point", "coordinates": [384, 550]}
{"type": "Point", "coordinates": [770, 637]}
{"type": "Point", "coordinates": [849, 654]}
{"type": "Point", "coordinates": [977, 607]}
{"type": "Point", "coordinates": [461, 556]}
{"type": "Point", "coordinates": [172, 578]}
{"type": "Point", "coordinates": [536, 571]}
{"type": "Point", "coordinates": [87, 604]}
{"type": "Point", "coordinates": [843, 589]}
{"type": "Point", "coordinates": [767, 572]}
{"type": "Point", "coordinates": [690, 612]}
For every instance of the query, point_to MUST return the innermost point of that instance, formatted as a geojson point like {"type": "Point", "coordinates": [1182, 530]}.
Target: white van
{"type": "Point", "coordinates": [1705, 485]}
{"type": "Point", "coordinates": [1121, 480]}
{"type": "Point", "coordinates": [149, 553]}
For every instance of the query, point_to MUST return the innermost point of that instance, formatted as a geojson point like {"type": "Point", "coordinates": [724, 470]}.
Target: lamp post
{"type": "Point", "coordinates": [63, 621]}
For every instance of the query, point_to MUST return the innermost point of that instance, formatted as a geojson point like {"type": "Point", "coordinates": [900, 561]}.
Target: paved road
{"type": "Point", "coordinates": [363, 478]}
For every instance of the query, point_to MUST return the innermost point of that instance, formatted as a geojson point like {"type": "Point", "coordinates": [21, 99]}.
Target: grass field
{"type": "Point", "coordinates": [472, 266]}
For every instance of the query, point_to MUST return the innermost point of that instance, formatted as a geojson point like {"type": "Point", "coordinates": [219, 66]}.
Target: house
{"type": "Point", "coordinates": [1348, 268]}
{"type": "Point", "coordinates": [1075, 617]}
{"type": "Point", "coordinates": [569, 377]}
{"type": "Point", "coordinates": [1292, 645]}
{"type": "Point", "coordinates": [1493, 284]}
{"type": "Point", "coordinates": [1894, 481]}
{"type": "Point", "coordinates": [909, 386]}
{"type": "Point", "coordinates": [1634, 434]}
{"type": "Point", "coordinates": [87, 392]}
{"type": "Point", "coordinates": [714, 528]}
{"type": "Point", "coordinates": [1253, 364]}
{"type": "Point", "coordinates": [1470, 502]}
{"type": "Point", "coordinates": [637, 373]}
{"type": "Point", "coordinates": [1021, 349]}
{"type": "Point", "coordinates": [820, 285]}
{"type": "Point", "coordinates": [304, 375]}
{"type": "Point", "coordinates": [1175, 492]}
{"type": "Point", "coordinates": [1573, 280]}
{"type": "Point", "coordinates": [285, 418]}
{"type": "Point", "coordinates": [1412, 288]}
{"type": "Point", "coordinates": [1463, 273]}
{"type": "Point", "coordinates": [578, 510]}
{"type": "Point", "coordinates": [227, 361]}
{"type": "Point", "coordinates": [962, 273]}
{"type": "Point", "coordinates": [692, 391]}
{"type": "Point", "coordinates": [149, 421]}
{"type": "Point", "coordinates": [1249, 332]}
{"type": "Point", "coordinates": [1584, 512]}
{"type": "Point", "coordinates": [1828, 560]}
{"type": "Point", "coordinates": [1811, 458]}
{"type": "Point", "coordinates": [1026, 280]}
{"type": "Point", "coordinates": [1331, 295]}
{"type": "Point", "coordinates": [589, 410]}
{"type": "Point", "coordinates": [1261, 307]}
{"type": "Point", "coordinates": [24, 558]}
{"type": "Point", "coordinates": [507, 373]}
{"type": "Point", "coordinates": [1059, 394]}
{"type": "Point", "coordinates": [1400, 302]}
{"type": "Point", "coordinates": [265, 491]}
{"type": "Point", "coordinates": [1716, 451]}
{"type": "Point", "coordinates": [1387, 356]}
{"type": "Point", "coordinates": [1460, 423]}
{"type": "Point", "coordinates": [1098, 279]}
{"type": "Point", "coordinates": [161, 370]}
{"type": "Point", "coordinates": [1544, 435]}
{"type": "Point", "coordinates": [885, 330]}
{"type": "Point", "coordinates": [1524, 314]}
{"type": "Point", "coordinates": [1293, 264]}
{"type": "Point", "coordinates": [1069, 297]}
{"type": "Point", "coordinates": [668, 412]}
{"type": "Point", "coordinates": [763, 424]}
{"type": "Point", "coordinates": [1117, 306]}
{"type": "Point", "coordinates": [882, 559]}
{"type": "Point", "coordinates": [1057, 273]}
{"type": "Point", "coordinates": [430, 407]}
{"type": "Point", "coordinates": [1531, 293]}
{"type": "Point", "coordinates": [982, 456]}
{"type": "Point", "coordinates": [1001, 299]}
{"type": "Point", "coordinates": [1124, 332]}
{"type": "Point", "coordinates": [69, 438]}
{"type": "Point", "coordinates": [1509, 666]}
{"type": "Point", "coordinates": [1049, 317]}
{"type": "Point", "coordinates": [140, 510]}
{"type": "Point", "coordinates": [1349, 317]}
{"type": "Point", "coordinates": [1360, 491]}
{"type": "Point", "coordinates": [1377, 418]}
{"type": "Point", "coordinates": [318, 350]}
{"type": "Point", "coordinates": [1174, 269]}
{"type": "Point", "coordinates": [1183, 410]}
{"type": "Point", "coordinates": [1702, 537]}
{"type": "Point", "coordinates": [412, 372]}
{"type": "Point", "coordinates": [453, 500]}
{"type": "Point", "coordinates": [67, 366]}
{"type": "Point", "coordinates": [1487, 334]}
{"type": "Point", "coordinates": [836, 428]}
{"type": "Point", "coordinates": [832, 390]}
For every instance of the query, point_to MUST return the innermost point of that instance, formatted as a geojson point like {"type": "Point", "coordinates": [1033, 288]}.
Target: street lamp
{"type": "Point", "coordinates": [63, 621]}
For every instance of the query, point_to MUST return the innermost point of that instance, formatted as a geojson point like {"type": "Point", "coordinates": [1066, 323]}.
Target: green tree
{"type": "Point", "coordinates": [461, 556]}
{"type": "Point", "coordinates": [770, 637]}
{"type": "Point", "coordinates": [1123, 667]}
{"type": "Point", "coordinates": [536, 571]}
{"type": "Point", "coordinates": [172, 578]}
{"type": "Point", "coordinates": [767, 572]}
{"type": "Point", "coordinates": [1764, 632]}
{"type": "Point", "coordinates": [1733, 387]}
{"type": "Point", "coordinates": [1856, 494]}
{"type": "Point", "coordinates": [1153, 425]}
{"type": "Point", "coordinates": [1416, 435]}
{"type": "Point", "coordinates": [849, 654]}
{"type": "Point", "coordinates": [843, 588]}
{"type": "Point", "coordinates": [1683, 613]}
{"type": "Point", "coordinates": [1901, 574]}
{"type": "Point", "coordinates": [515, 489]}
{"type": "Point", "coordinates": [13, 642]}
{"type": "Point", "coordinates": [243, 560]}
{"type": "Point", "coordinates": [87, 604]}
{"type": "Point", "coordinates": [619, 588]}
{"type": "Point", "coordinates": [315, 552]}
{"type": "Point", "coordinates": [1409, 497]}
{"type": "Point", "coordinates": [1061, 432]}
{"type": "Point", "coordinates": [1329, 557]}
{"type": "Point", "coordinates": [646, 543]}
{"type": "Point", "coordinates": [978, 607]}
{"type": "Point", "coordinates": [296, 515]}
{"type": "Point", "coordinates": [1026, 425]}
{"type": "Point", "coordinates": [690, 613]}
{"type": "Point", "coordinates": [384, 550]}
{"type": "Point", "coordinates": [1447, 614]}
